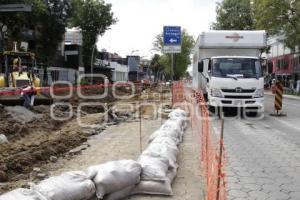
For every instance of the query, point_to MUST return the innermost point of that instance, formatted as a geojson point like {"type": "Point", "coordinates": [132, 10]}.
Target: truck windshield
{"type": "Point", "coordinates": [236, 68]}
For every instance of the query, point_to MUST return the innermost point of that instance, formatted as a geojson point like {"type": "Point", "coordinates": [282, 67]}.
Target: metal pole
{"type": "Point", "coordinates": [172, 75]}
{"type": "Point", "coordinates": [92, 63]}
{"type": "Point", "coordinates": [172, 67]}
{"type": "Point", "coordinates": [140, 115]}
{"type": "Point", "coordinates": [220, 158]}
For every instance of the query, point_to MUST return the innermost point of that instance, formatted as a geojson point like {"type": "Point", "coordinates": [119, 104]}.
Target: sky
{"type": "Point", "coordinates": [139, 21]}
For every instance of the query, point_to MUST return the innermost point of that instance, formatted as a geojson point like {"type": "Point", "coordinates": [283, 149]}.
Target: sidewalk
{"type": "Point", "coordinates": [269, 93]}
{"type": "Point", "coordinates": [122, 142]}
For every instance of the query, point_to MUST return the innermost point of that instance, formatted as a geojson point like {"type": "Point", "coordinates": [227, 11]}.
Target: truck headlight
{"type": "Point", "coordinates": [259, 93]}
{"type": "Point", "coordinates": [216, 92]}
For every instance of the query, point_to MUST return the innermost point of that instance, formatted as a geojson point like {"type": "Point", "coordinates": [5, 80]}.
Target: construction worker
{"type": "Point", "coordinates": [27, 93]}
{"type": "Point", "coordinates": [17, 65]}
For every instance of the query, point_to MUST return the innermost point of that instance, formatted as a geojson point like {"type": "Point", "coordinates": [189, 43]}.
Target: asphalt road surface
{"type": "Point", "coordinates": [263, 155]}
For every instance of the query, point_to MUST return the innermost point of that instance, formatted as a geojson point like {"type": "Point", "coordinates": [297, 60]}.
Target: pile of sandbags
{"type": "Point", "coordinates": [159, 160]}
{"type": "Point", "coordinates": [67, 186]}
{"type": "Point", "coordinates": [111, 181]}
{"type": "Point", "coordinates": [153, 173]}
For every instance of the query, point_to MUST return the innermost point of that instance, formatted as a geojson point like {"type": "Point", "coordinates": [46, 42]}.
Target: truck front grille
{"type": "Point", "coordinates": [242, 91]}
{"type": "Point", "coordinates": [237, 97]}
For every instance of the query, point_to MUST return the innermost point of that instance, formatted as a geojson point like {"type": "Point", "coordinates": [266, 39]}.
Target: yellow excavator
{"type": "Point", "coordinates": [19, 71]}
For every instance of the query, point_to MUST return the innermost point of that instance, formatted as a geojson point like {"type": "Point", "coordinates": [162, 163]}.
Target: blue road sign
{"type": "Point", "coordinates": [172, 35]}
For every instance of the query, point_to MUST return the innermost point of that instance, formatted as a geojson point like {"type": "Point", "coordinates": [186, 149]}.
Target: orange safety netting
{"type": "Point", "coordinates": [212, 164]}
{"type": "Point", "coordinates": [177, 92]}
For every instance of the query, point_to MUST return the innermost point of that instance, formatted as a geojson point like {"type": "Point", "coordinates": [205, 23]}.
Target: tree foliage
{"type": "Point", "coordinates": [94, 17]}
{"type": "Point", "coordinates": [234, 15]}
{"type": "Point", "coordinates": [279, 17]}
{"type": "Point", "coordinates": [47, 22]}
{"type": "Point", "coordinates": [156, 65]}
{"type": "Point", "coordinates": [181, 61]}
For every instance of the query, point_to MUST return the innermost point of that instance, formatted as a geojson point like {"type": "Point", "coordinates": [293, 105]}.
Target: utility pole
{"type": "Point", "coordinates": [172, 67]}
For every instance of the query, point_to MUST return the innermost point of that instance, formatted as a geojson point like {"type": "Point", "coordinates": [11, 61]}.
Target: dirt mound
{"type": "Point", "coordinates": [22, 154]}
{"type": "Point", "coordinates": [17, 122]}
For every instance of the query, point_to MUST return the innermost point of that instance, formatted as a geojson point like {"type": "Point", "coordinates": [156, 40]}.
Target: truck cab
{"type": "Point", "coordinates": [232, 81]}
{"type": "Point", "coordinates": [227, 68]}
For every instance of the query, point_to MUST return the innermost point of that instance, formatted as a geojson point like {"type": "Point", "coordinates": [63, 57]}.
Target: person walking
{"type": "Point", "coordinates": [28, 94]}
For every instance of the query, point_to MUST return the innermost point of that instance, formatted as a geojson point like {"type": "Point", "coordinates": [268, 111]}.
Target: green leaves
{"type": "Point", "coordinates": [181, 60]}
{"type": "Point", "coordinates": [49, 18]}
{"type": "Point", "coordinates": [47, 21]}
{"type": "Point", "coordinates": [234, 15]}
{"type": "Point", "coordinates": [94, 17]}
{"type": "Point", "coordinates": [279, 17]}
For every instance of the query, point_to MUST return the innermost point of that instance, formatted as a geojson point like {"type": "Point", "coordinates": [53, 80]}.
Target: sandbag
{"type": "Point", "coordinates": [180, 115]}
{"type": "Point", "coordinates": [122, 194]}
{"type": "Point", "coordinates": [173, 128]}
{"type": "Point", "coordinates": [157, 187]}
{"type": "Point", "coordinates": [67, 186]}
{"type": "Point", "coordinates": [161, 139]}
{"type": "Point", "coordinates": [22, 194]}
{"type": "Point", "coordinates": [172, 134]}
{"type": "Point", "coordinates": [171, 125]}
{"type": "Point", "coordinates": [164, 150]}
{"type": "Point", "coordinates": [153, 168]}
{"type": "Point", "coordinates": [114, 176]}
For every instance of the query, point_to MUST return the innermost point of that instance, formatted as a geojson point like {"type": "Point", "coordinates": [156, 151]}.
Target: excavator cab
{"type": "Point", "coordinates": [19, 70]}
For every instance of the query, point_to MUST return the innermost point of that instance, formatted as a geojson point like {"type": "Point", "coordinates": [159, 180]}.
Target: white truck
{"type": "Point", "coordinates": [227, 68]}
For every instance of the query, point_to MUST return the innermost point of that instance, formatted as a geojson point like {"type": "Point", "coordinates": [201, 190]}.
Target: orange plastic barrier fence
{"type": "Point", "coordinates": [212, 165]}
{"type": "Point", "coordinates": [177, 92]}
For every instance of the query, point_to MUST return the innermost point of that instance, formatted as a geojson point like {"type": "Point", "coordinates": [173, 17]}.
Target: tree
{"type": "Point", "coordinates": [46, 22]}
{"type": "Point", "coordinates": [279, 17]}
{"type": "Point", "coordinates": [234, 15]}
{"type": "Point", "coordinates": [155, 65]}
{"type": "Point", "coordinates": [181, 61]}
{"type": "Point", "coordinates": [94, 17]}
{"type": "Point", "coordinates": [50, 26]}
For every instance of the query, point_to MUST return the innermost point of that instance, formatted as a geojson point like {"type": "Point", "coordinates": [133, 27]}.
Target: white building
{"type": "Point", "coordinates": [119, 72]}
{"type": "Point", "coordinates": [112, 65]}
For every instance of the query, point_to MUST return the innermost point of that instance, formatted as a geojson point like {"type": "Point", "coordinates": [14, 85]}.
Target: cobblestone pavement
{"type": "Point", "coordinates": [122, 142]}
{"type": "Point", "coordinates": [264, 155]}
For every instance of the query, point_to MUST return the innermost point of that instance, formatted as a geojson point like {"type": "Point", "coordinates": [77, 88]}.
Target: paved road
{"type": "Point", "coordinates": [264, 155]}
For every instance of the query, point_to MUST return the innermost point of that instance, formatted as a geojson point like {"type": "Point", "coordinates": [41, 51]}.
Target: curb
{"type": "Point", "coordinates": [284, 96]}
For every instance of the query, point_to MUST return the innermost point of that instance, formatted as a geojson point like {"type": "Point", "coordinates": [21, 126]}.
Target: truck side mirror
{"type": "Point", "coordinates": [200, 66]}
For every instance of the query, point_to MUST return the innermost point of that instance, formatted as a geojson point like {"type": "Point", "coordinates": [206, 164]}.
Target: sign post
{"type": "Point", "coordinates": [172, 43]}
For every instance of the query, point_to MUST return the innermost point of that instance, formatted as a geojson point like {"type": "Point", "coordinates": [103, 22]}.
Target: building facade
{"type": "Point", "coordinates": [111, 65]}
{"type": "Point", "coordinates": [283, 62]}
